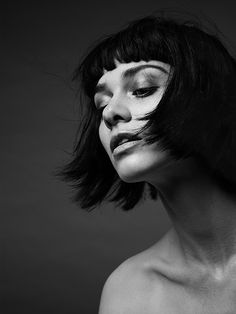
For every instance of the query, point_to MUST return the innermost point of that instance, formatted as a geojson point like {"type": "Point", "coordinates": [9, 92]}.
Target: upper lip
{"type": "Point", "coordinates": [116, 139]}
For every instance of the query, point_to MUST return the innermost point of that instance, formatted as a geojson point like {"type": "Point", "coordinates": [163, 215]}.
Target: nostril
{"type": "Point", "coordinates": [117, 117]}
{"type": "Point", "coordinates": [112, 119]}
{"type": "Point", "coordinates": [115, 113]}
{"type": "Point", "coordinates": [108, 124]}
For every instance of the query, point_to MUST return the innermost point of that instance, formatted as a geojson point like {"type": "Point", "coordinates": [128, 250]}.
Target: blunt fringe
{"type": "Point", "coordinates": [195, 117]}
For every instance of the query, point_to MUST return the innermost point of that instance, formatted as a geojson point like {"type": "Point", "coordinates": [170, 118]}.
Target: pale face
{"type": "Point", "coordinates": [124, 94]}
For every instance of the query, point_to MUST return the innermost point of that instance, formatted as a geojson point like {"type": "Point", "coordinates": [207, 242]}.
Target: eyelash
{"type": "Point", "coordinates": [147, 91]}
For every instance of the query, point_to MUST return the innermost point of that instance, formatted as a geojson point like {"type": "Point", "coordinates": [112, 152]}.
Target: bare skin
{"type": "Point", "coordinates": [192, 269]}
{"type": "Point", "coordinates": [148, 283]}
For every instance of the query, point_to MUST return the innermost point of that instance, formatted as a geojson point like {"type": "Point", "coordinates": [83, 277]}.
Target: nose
{"type": "Point", "coordinates": [116, 111]}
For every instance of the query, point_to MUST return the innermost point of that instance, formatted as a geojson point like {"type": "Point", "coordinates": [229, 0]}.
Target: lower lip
{"type": "Point", "coordinates": [125, 147]}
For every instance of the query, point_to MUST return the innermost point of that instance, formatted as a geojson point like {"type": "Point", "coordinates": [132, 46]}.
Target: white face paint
{"type": "Point", "coordinates": [124, 94]}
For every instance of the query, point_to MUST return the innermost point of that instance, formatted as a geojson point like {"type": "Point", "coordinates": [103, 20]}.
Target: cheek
{"type": "Point", "coordinates": [104, 136]}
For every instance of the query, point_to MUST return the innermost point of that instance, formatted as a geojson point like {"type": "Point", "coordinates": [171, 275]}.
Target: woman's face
{"type": "Point", "coordinates": [124, 94]}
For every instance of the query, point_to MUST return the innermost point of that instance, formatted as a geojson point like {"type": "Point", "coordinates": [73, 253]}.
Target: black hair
{"type": "Point", "coordinates": [195, 117]}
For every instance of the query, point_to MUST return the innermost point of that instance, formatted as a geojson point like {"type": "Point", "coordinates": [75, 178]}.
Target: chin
{"type": "Point", "coordinates": [130, 176]}
{"type": "Point", "coordinates": [138, 167]}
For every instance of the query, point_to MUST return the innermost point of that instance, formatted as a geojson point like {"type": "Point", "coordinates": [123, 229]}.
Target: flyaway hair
{"type": "Point", "coordinates": [195, 117]}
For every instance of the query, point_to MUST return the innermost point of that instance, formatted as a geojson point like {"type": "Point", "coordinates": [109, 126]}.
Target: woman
{"type": "Point", "coordinates": [158, 115]}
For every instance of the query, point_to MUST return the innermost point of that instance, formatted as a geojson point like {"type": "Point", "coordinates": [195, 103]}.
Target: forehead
{"type": "Point", "coordinates": [121, 68]}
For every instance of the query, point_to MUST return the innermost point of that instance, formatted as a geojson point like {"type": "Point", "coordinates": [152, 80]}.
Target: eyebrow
{"type": "Point", "coordinates": [131, 73]}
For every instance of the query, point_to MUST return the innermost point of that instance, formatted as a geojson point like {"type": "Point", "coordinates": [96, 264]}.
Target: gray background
{"type": "Point", "coordinates": [55, 258]}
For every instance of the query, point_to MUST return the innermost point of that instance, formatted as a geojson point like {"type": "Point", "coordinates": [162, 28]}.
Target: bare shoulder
{"type": "Point", "coordinates": [131, 288]}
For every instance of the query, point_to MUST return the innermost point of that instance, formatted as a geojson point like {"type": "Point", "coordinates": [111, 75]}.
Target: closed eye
{"type": "Point", "coordinates": [145, 91]}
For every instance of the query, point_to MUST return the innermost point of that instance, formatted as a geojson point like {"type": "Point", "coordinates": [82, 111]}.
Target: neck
{"type": "Point", "coordinates": [202, 213]}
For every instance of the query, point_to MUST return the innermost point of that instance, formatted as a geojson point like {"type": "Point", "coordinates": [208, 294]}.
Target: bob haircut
{"type": "Point", "coordinates": [195, 117]}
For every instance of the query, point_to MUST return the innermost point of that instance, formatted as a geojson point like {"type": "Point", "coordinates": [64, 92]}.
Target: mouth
{"type": "Point", "coordinates": [125, 148]}
{"type": "Point", "coordinates": [123, 139]}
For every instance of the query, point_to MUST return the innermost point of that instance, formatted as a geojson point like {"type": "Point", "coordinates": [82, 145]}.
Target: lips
{"type": "Point", "coordinates": [122, 138]}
